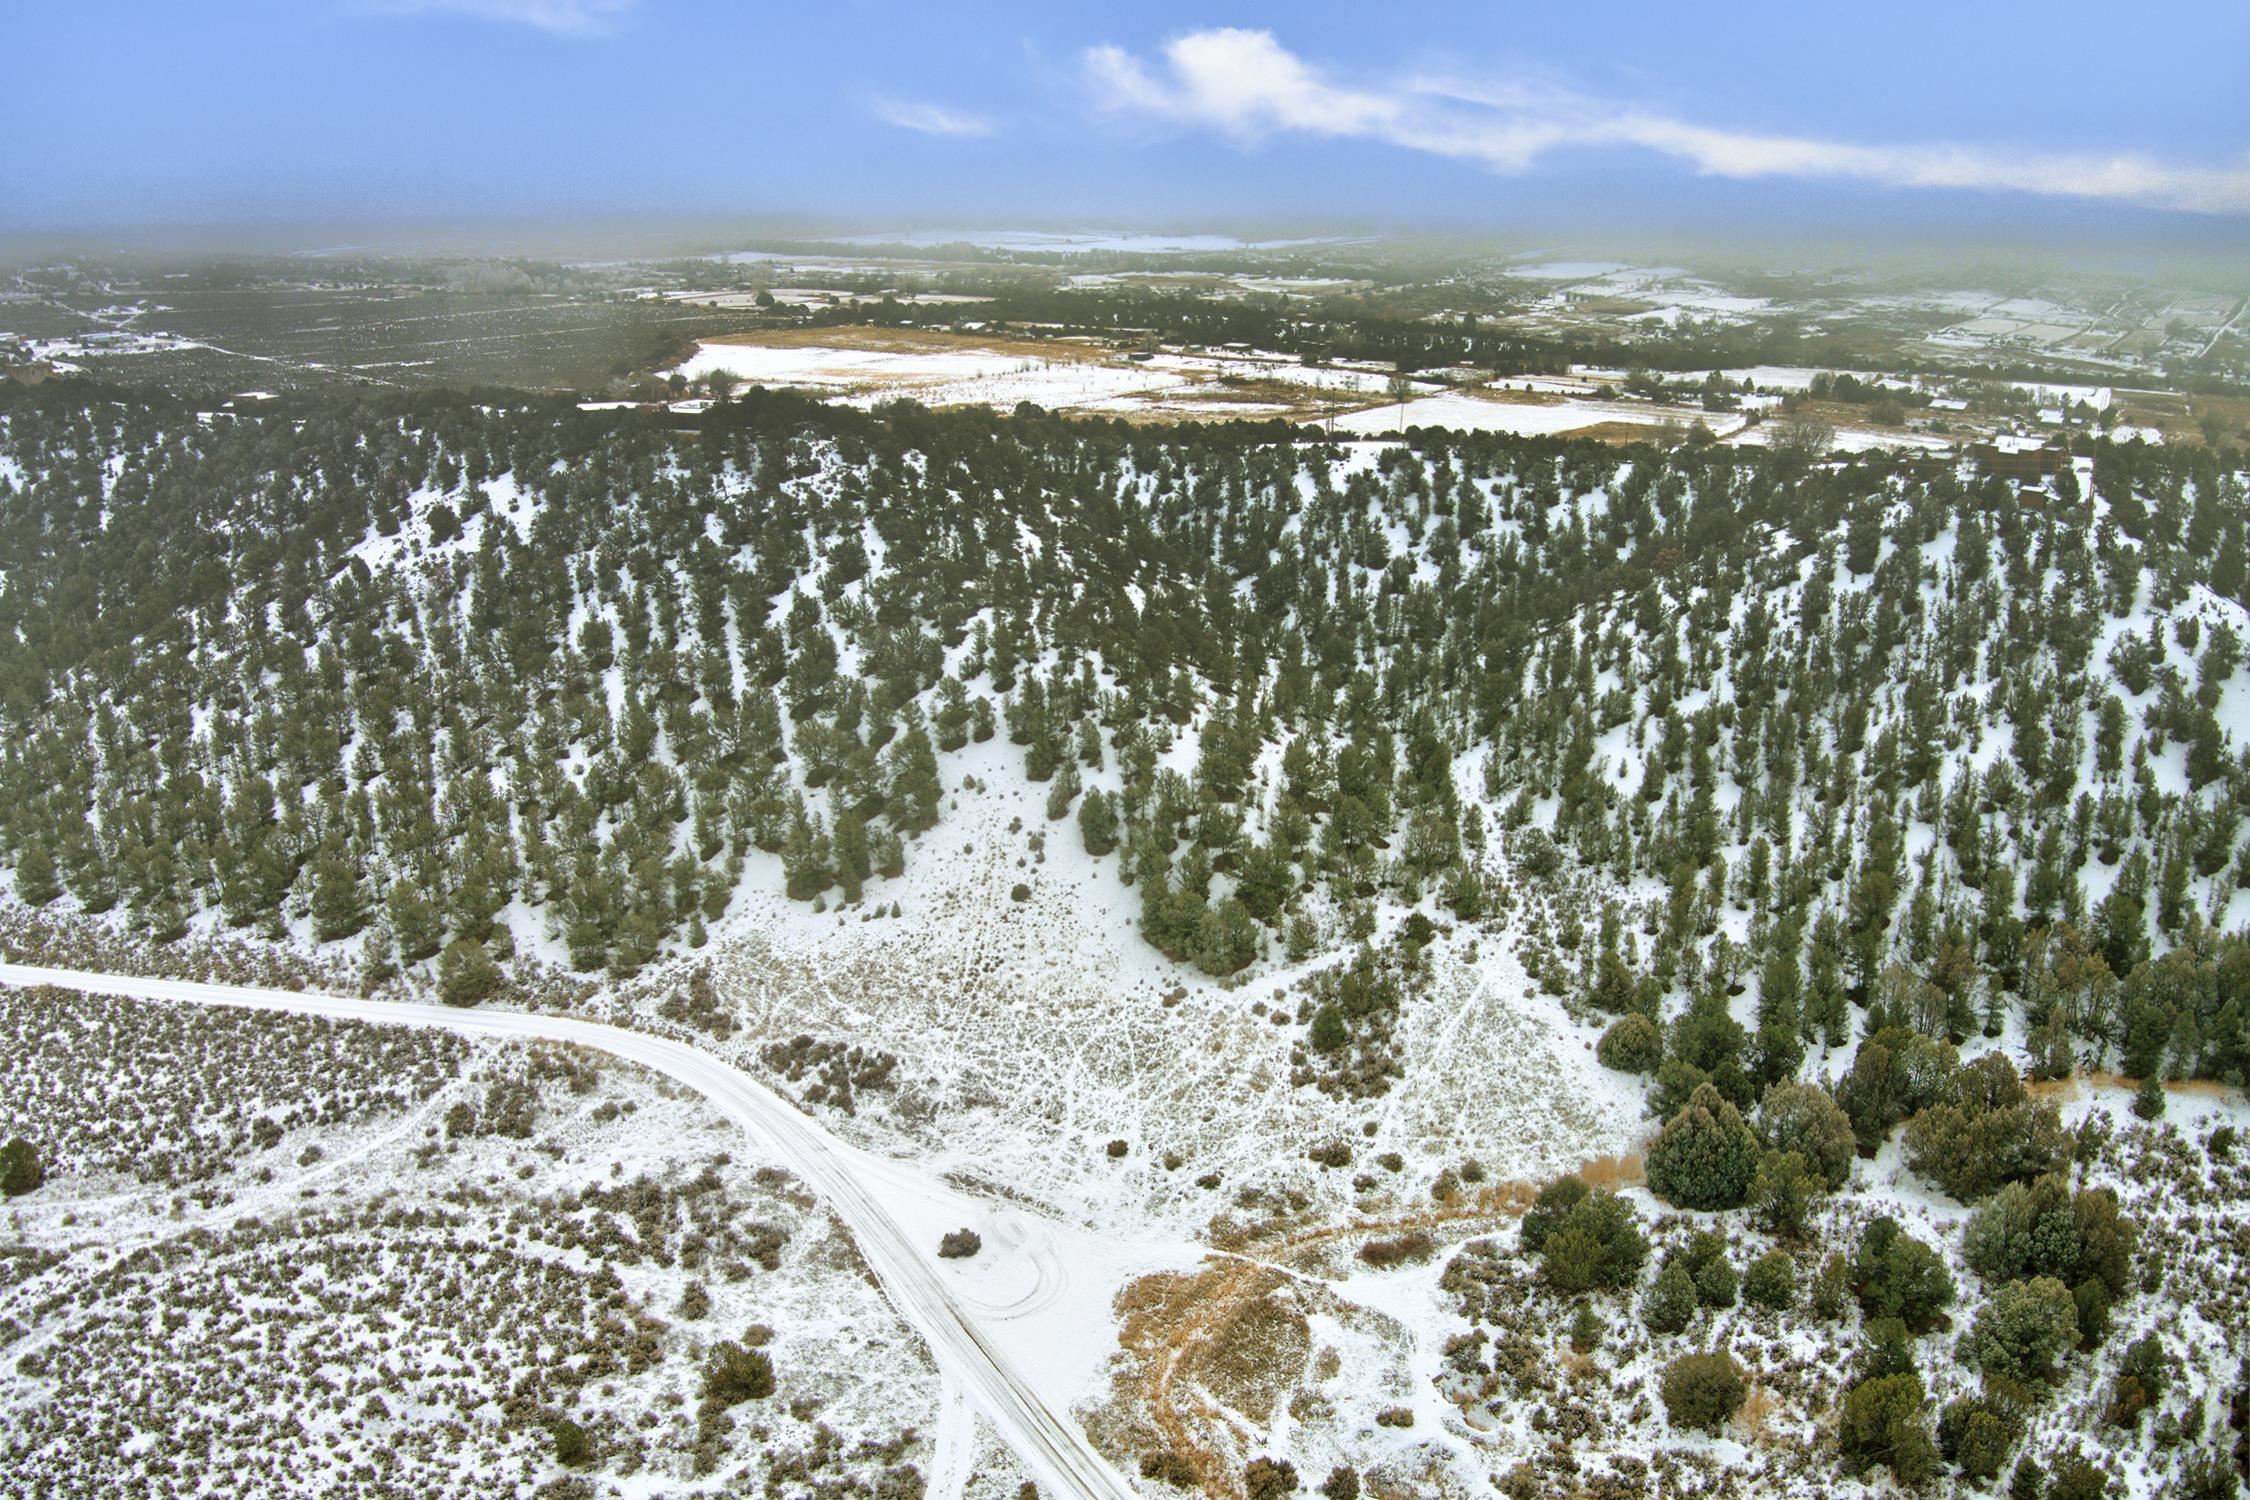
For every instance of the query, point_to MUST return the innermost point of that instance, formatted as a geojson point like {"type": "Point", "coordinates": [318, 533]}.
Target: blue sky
{"type": "Point", "coordinates": [1936, 116]}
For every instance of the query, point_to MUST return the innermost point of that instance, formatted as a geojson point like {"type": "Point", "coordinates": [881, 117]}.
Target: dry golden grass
{"type": "Point", "coordinates": [1618, 433]}
{"type": "Point", "coordinates": [1614, 1172]}
{"type": "Point", "coordinates": [1230, 1338]}
{"type": "Point", "coordinates": [2063, 1090]}
{"type": "Point", "coordinates": [1751, 1420]}
{"type": "Point", "coordinates": [1501, 396]}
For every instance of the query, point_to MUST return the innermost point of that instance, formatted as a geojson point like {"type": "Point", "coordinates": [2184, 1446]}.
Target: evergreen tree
{"type": "Point", "coordinates": [36, 884]}
{"type": "Point", "coordinates": [20, 1168]}
{"type": "Point", "coordinates": [1097, 822]}
{"type": "Point", "coordinates": [1705, 1156]}
{"type": "Point", "coordinates": [339, 903]}
{"type": "Point", "coordinates": [849, 850]}
{"type": "Point", "coordinates": [414, 922]}
{"type": "Point", "coordinates": [467, 974]}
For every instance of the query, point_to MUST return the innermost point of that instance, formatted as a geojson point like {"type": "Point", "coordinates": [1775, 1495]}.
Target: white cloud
{"type": "Point", "coordinates": [929, 119]}
{"type": "Point", "coordinates": [560, 17]}
{"type": "Point", "coordinates": [1248, 86]}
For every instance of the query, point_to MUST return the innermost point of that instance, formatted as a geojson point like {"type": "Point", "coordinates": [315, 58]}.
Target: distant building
{"type": "Point", "coordinates": [2022, 460]}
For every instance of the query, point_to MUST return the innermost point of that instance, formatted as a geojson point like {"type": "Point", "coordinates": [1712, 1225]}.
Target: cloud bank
{"type": "Point", "coordinates": [929, 119]}
{"type": "Point", "coordinates": [1247, 86]}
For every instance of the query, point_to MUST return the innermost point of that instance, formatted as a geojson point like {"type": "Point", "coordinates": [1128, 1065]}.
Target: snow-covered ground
{"type": "Point", "coordinates": [1029, 1294]}
{"type": "Point", "coordinates": [1468, 413]}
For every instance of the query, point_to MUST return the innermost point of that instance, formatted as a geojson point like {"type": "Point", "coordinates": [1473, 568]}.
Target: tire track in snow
{"type": "Point", "coordinates": [1046, 1441]}
{"type": "Point", "coordinates": [956, 1443]}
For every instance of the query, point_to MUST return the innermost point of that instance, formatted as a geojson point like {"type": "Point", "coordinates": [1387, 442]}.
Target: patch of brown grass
{"type": "Point", "coordinates": [2200, 1088]}
{"type": "Point", "coordinates": [1501, 396]}
{"type": "Point", "coordinates": [1614, 1172]}
{"type": "Point", "coordinates": [1757, 1410]}
{"type": "Point", "coordinates": [1620, 433]}
{"type": "Point", "coordinates": [1208, 1348]}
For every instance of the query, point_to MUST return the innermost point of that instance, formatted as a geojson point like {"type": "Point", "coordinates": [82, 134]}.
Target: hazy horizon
{"type": "Point", "coordinates": [2024, 127]}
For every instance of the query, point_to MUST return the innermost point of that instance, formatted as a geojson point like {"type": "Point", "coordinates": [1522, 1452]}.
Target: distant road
{"type": "Point", "coordinates": [1047, 1442]}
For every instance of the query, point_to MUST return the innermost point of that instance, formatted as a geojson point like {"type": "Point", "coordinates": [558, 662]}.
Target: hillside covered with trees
{"type": "Point", "coordinates": [1855, 801]}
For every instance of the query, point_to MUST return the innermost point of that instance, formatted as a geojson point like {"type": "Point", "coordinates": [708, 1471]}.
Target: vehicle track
{"type": "Point", "coordinates": [1046, 1441]}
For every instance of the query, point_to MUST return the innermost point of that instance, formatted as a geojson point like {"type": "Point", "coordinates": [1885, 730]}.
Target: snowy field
{"type": "Point", "coordinates": [1063, 377]}
{"type": "Point", "coordinates": [1470, 413]}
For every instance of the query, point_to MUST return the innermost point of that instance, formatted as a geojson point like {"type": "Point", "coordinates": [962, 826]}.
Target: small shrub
{"type": "Point", "coordinates": [1395, 1416]}
{"type": "Point", "coordinates": [737, 1374]}
{"type": "Point", "coordinates": [1586, 1329]}
{"type": "Point", "coordinates": [1596, 1245]}
{"type": "Point", "coordinates": [466, 973]}
{"type": "Point", "coordinates": [20, 1169]}
{"type": "Point", "coordinates": [1977, 1434]}
{"type": "Point", "coordinates": [1413, 1245]}
{"type": "Point", "coordinates": [2073, 1476]}
{"type": "Point", "coordinates": [1832, 1289]}
{"type": "Point", "coordinates": [1771, 1281]}
{"type": "Point", "coordinates": [1715, 1283]}
{"type": "Point", "coordinates": [1670, 1301]}
{"type": "Point", "coordinates": [2143, 1375]}
{"type": "Point", "coordinates": [2094, 1304]}
{"type": "Point", "coordinates": [1268, 1478]}
{"type": "Point", "coordinates": [1782, 1192]}
{"type": "Point", "coordinates": [1167, 1467]}
{"type": "Point", "coordinates": [1703, 1391]}
{"type": "Point", "coordinates": [1341, 1484]}
{"type": "Point", "coordinates": [1631, 1045]}
{"type": "Point", "coordinates": [1897, 1276]}
{"type": "Point", "coordinates": [1116, 1149]}
{"type": "Point", "coordinates": [1705, 1156]}
{"type": "Point", "coordinates": [572, 1446]}
{"type": "Point", "coordinates": [960, 1244]}
{"type": "Point", "coordinates": [2024, 1332]}
{"type": "Point", "coordinates": [1883, 1422]}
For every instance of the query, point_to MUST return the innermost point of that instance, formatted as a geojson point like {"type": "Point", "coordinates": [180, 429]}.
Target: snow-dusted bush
{"type": "Point", "coordinates": [1631, 1045]}
{"type": "Point", "coordinates": [1705, 1156]}
{"type": "Point", "coordinates": [1703, 1391]}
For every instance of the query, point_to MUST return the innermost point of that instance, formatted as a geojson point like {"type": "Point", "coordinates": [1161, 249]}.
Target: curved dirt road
{"type": "Point", "coordinates": [1046, 1441]}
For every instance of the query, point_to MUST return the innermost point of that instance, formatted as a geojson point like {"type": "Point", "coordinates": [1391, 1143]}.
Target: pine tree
{"type": "Point", "coordinates": [1064, 791]}
{"type": "Point", "coordinates": [467, 974]}
{"type": "Point", "coordinates": [804, 857]}
{"type": "Point", "coordinates": [849, 846]}
{"type": "Point", "coordinates": [339, 902]}
{"type": "Point", "coordinates": [415, 924]}
{"type": "Point", "coordinates": [1097, 822]}
{"type": "Point", "coordinates": [36, 884]}
{"type": "Point", "coordinates": [914, 791]}
{"type": "Point", "coordinates": [20, 1169]}
{"type": "Point", "coordinates": [886, 852]}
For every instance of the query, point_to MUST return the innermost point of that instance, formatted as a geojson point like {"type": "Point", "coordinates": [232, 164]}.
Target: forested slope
{"type": "Point", "coordinates": [1803, 778]}
{"type": "Point", "coordinates": [1850, 727]}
